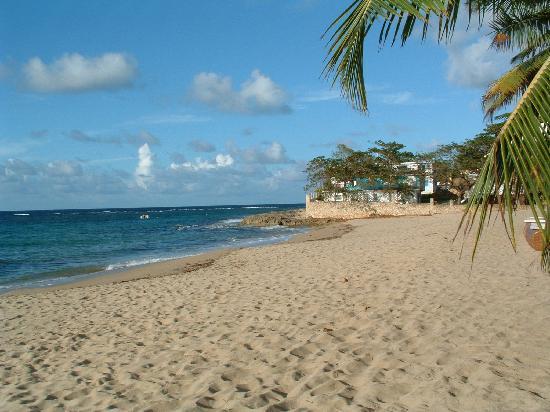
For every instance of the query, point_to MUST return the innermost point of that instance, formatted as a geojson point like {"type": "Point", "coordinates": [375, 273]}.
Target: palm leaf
{"type": "Point", "coordinates": [346, 44]}
{"type": "Point", "coordinates": [532, 49]}
{"type": "Point", "coordinates": [518, 163]}
{"type": "Point", "coordinates": [512, 84]}
{"type": "Point", "coordinates": [521, 25]}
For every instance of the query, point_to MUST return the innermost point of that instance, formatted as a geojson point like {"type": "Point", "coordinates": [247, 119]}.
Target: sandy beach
{"type": "Point", "coordinates": [369, 315]}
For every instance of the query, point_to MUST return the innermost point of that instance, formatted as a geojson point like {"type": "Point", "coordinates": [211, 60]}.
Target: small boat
{"type": "Point", "coordinates": [144, 216]}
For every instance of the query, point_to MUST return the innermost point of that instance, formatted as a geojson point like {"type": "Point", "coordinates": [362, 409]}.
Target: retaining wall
{"type": "Point", "coordinates": [360, 210]}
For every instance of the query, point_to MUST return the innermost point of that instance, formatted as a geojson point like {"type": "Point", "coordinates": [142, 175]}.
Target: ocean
{"type": "Point", "coordinates": [46, 247]}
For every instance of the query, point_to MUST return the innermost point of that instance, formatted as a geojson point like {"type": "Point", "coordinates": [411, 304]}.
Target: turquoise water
{"type": "Point", "coordinates": [42, 248]}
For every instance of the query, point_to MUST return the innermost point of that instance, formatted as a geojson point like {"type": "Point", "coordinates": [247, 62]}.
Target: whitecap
{"type": "Point", "coordinates": [231, 221]}
{"type": "Point", "coordinates": [140, 262]}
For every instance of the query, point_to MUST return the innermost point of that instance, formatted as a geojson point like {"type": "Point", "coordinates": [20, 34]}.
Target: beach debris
{"type": "Point", "coordinates": [328, 330]}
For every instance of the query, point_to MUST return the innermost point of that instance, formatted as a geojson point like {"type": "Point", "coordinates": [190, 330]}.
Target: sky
{"type": "Point", "coordinates": [170, 103]}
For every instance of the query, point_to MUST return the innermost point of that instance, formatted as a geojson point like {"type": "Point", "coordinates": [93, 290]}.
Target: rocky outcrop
{"type": "Point", "coordinates": [291, 218]}
{"type": "Point", "coordinates": [324, 213]}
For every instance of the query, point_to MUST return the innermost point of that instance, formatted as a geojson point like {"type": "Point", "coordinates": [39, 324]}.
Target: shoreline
{"type": "Point", "coordinates": [291, 218]}
{"type": "Point", "coordinates": [176, 266]}
{"type": "Point", "coordinates": [387, 316]}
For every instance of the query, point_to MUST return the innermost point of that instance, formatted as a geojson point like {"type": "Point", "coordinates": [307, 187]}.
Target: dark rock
{"type": "Point", "coordinates": [291, 218]}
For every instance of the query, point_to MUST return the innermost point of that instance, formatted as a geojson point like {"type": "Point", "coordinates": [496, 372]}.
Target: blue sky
{"type": "Point", "coordinates": [127, 104]}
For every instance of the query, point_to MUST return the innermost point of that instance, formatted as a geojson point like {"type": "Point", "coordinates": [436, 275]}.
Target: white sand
{"type": "Point", "coordinates": [384, 318]}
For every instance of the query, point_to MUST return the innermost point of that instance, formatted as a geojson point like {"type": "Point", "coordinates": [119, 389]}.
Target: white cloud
{"type": "Point", "coordinates": [63, 168]}
{"type": "Point", "coordinates": [141, 138]}
{"type": "Point", "coordinates": [224, 160]}
{"type": "Point", "coordinates": [257, 95]}
{"type": "Point", "coordinates": [18, 167]}
{"type": "Point", "coordinates": [425, 145]}
{"type": "Point", "coordinates": [220, 161]}
{"type": "Point", "coordinates": [143, 173]}
{"type": "Point", "coordinates": [475, 64]}
{"type": "Point", "coordinates": [397, 98]}
{"type": "Point", "coordinates": [136, 139]}
{"type": "Point", "coordinates": [405, 98]}
{"type": "Point", "coordinates": [107, 160]}
{"type": "Point", "coordinates": [286, 176]}
{"type": "Point", "coordinates": [202, 146]}
{"type": "Point", "coordinates": [16, 147]}
{"type": "Point", "coordinates": [54, 169]}
{"type": "Point", "coordinates": [34, 185]}
{"type": "Point", "coordinates": [321, 96]}
{"type": "Point", "coordinates": [268, 153]}
{"type": "Point", "coordinates": [220, 178]}
{"type": "Point", "coordinates": [275, 153]}
{"type": "Point", "coordinates": [76, 73]}
{"type": "Point", "coordinates": [169, 119]}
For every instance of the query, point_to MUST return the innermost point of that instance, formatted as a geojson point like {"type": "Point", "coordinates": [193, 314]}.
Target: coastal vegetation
{"type": "Point", "coordinates": [518, 160]}
{"type": "Point", "coordinates": [454, 166]}
{"type": "Point", "coordinates": [381, 163]}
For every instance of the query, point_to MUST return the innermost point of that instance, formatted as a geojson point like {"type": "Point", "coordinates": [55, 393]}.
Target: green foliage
{"type": "Point", "coordinates": [318, 173]}
{"type": "Point", "coordinates": [381, 162]}
{"type": "Point", "coordinates": [523, 25]}
{"type": "Point", "coordinates": [391, 152]}
{"type": "Point", "coordinates": [472, 153]}
{"type": "Point", "coordinates": [389, 158]}
{"type": "Point", "coordinates": [395, 20]}
{"type": "Point", "coordinates": [343, 166]}
{"type": "Point", "coordinates": [517, 24]}
{"type": "Point", "coordinates": [457, 166]}
{"type": "Point", "coordinates": [512, 84]}
{"type": "Point", "coordinates": [519, 159]}
{"type": "Point", "coordinates": [518, 163]}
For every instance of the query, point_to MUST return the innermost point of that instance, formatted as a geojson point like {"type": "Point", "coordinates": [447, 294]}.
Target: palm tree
{"type": "Point", "coordinates": [519, 160]}
{"type": "Point", "coordinates": [527, 29]}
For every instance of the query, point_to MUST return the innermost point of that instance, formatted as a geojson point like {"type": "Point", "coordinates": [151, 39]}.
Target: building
{"type": "Point", "coordinates": [409, 189]}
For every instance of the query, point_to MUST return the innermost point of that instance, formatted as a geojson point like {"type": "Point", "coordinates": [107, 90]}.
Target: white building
{"type": "Point", "coordinates": [378, 191]}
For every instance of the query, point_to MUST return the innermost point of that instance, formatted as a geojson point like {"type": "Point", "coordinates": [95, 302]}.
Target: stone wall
{"type": "Point", "coordinates": [360, 210]}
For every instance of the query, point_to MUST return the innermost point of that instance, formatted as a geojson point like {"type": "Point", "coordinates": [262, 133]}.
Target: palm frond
{"type": "Point", "coordinates": [521, 25]}
{"type": "Point", "coordinates": [518, 164]}
{"type": "Point", "coordinates": [344, 62]}
{"type": "Point", "coordinates": [532, 49]}
{"type": "Point", "coordinates": [512, 84]}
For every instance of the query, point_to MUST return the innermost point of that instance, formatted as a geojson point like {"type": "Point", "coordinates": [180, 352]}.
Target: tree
{"type": "Point", "coordinates": [322, 172]}
{"type": "Point", "coordinates": [524, 25]}
{"type": "Point", "coordinates": [344, 165]}
{"type": "Point", "coordinates": [391, 152]}
{"type": "Point", "coordinates": [457, 166]}
{"type": "Point", "coordinates": [318, 174]}
{"type": "Point", "coordinates": [447, 173]}
{"type": "Point", "coordinates": [380, 163]}
{"type": "Point", "coordinates": [389, 158]}
{"type": "Point", "coordinates": [519, 157]}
